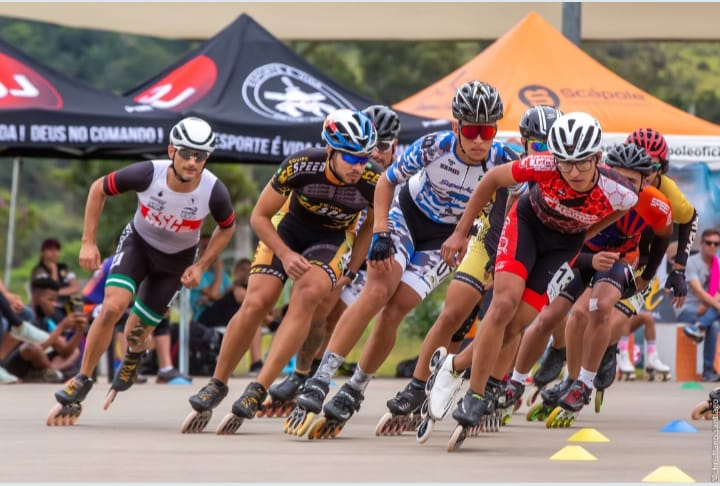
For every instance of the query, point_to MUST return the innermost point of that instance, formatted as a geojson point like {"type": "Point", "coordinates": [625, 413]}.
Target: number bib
{"type": "Point", "coordinates": [559, 280]}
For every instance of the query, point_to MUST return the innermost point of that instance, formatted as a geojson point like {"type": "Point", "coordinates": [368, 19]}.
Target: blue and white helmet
{"type": "Point", "coordinates": [349, 131]}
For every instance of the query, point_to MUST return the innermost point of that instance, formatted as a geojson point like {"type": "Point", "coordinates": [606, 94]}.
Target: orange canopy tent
{"type": "Point", "coordinates": [533, 63]}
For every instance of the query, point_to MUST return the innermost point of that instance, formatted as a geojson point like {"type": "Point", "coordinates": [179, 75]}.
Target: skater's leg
{"type": "Point", "coordinates": [262, 294]}
{"type": "Point", "coordinates": [117, 300]}
{"type": "Point", "coordinates": [574, 332]}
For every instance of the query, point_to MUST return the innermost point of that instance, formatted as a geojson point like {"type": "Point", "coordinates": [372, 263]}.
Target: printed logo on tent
{"type": "Point", "coordinates": [535, 94]}
{"type": "Point", "coordinates": [183, 86]}
{"type": "Point", "coordinates": [21, 87]}
{"type": "Point", "coordinates": [285, 93]}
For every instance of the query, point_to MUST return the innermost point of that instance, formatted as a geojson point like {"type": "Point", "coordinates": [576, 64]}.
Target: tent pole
{"type": "Point", "coordinates": [571, 21]}
{"type": "Point", "coordinates": [184, 332]}
{"type": "Point", "coordinates": [10, 246]}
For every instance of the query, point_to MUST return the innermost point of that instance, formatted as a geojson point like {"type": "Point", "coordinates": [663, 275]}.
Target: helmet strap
{"type": "Point", "coordinates": [459, 139]}
{"type": "Point", "coordinates": [180, 178]}
{"type": "Point", "coordinates": [332, 168]}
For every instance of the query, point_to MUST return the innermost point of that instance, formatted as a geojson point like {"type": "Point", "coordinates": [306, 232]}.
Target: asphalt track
{"type": "Point", "coordinates": [138, 440]}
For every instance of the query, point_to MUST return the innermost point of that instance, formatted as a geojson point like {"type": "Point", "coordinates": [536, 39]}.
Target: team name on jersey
{"type": "Point", "coordinates": [168, 222]}
{"type": "Point", "coordinates": [301, 164]}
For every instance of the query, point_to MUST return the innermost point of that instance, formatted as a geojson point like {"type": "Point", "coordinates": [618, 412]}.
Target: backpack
{"type": "Point", "coordinates": [204, 348]}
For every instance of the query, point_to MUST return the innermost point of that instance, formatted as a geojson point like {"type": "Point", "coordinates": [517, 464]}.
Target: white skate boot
{"type": "Point", "coordinates": [626, 369]}
{"type": "Point", "coordinates": [441, 388]}
{"type": "Point", "coordinates": [656, 369]}
{"type": "Point", "coordinates": [29, 333]}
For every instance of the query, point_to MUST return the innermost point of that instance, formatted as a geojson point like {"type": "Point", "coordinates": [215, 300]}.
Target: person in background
{"type": "Point", "coordinates": [49, 266]}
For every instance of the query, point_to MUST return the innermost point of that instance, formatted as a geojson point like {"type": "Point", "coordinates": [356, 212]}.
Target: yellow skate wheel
{"type": "Point", "coordinates": [550, 422]}
{"type": "Point", "coordinates": [599, 396]}
{"type": "Point", "coordinates": [304, 424]}
{"type": "Point", "coordinates": [315, 429]}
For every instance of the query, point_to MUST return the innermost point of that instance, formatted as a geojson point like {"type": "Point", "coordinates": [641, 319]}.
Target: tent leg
{"type": "Point", "coordinates": [184, 332]}
{"type": "Point", "coordinates": [10, 246]}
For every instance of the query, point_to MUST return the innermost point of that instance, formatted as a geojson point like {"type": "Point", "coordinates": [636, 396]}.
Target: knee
{"type": "Point", "coordinates": [503, 307]}
{"type": "Point", "coordinates": [112, 311]}
{"type": "Point", "coordinates": [376, 293]}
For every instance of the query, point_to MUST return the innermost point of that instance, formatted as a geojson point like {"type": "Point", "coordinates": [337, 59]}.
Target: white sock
{"type": "Point", "coordinates": [519, 377]}
{"type": "Point", "coordinates": [587, 377]}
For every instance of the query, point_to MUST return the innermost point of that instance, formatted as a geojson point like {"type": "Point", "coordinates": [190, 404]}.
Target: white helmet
{"type": "Point", "coordinates": [574, 136]}
{"type": "Point", "coordinates": [349, 131]}
{"type": "Point", "coordinates": [193, 133]}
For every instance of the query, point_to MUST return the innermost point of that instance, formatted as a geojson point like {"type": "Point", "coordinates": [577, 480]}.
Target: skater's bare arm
{"type": "Point", "coordinates": [89, 254]}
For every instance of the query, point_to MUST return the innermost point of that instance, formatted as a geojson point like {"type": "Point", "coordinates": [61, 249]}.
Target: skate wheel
{"type": "Point", "coordinates": [700, 409]}
{"type": "Point", "coordinates": [229, 424]}
{"type": "Point", "coordinates": [315, 430]}
{"type": "Point", "coordinates": [429, 384]}
{"type": "Point", "coordinates": [110, 398]}
{"type": "Point", "coordinates": [457, 438]}
{"type": "Point", "coordinates": [505, 419]}
{"type": "Point", "coordinates": [599, 396]}
{"type": "Point", "coordinates": [533, 413]}
{"type": "Point", "coordinates": [382, 425]}
{"type": "Point", "coordinates": [551, 421]}
{"type": "Point", "coordinates": [425, 430]}
{"type": "Point", "coordinates": [437, 358]}
{"type": "Point", "coordinates": [533, 397]}
{"type": "Point", "coordinates": [64, 414]}
{"type": "Point", "coordinates": [424, 408]}
{"type": "Point", "coordinates": [196, 422]}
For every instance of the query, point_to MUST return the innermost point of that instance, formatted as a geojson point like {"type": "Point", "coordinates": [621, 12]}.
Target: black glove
{"type": "Point", "coordinates": [381, 246]}
{"type": "Point", "coordinates": [676, 281]}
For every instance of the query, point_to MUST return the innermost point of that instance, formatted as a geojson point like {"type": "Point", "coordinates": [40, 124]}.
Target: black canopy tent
{"type": "Point", "coordinates": [44, 113]}
{"type": "Point", "coordinates": [263, 99]}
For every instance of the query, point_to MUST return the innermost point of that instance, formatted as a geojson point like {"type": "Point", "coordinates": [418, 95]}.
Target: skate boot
{"type": "Point", "coordinates": [336, 413]}
{"type": "Point", "coordinates": [468, 414]}
{"type": "Point", "coordinates": [203, 403]}
{"type": "Point", "coordinates": [404, 414]}
{"type": "Point", "coordinates": [6, 377]}
{"type": "Point", "coordinates": [707, 408]}
{"type": "Point", "coordinates": [244, 407]}
{"type": "Point", "coordinates": [510, 399]}
{"type": "Point", "coordinates": [605, 375]}
{"type": "Point", "coordinates": [309, 404]}
{"type": "Point", "coordinates": [655, 369]}
{"type": "Point", "coordinates": [68, 409]}
{"type": "Point", "coordinates": [281, 396]}
{"type": "Point", "coordinates": [550, 398]}
{"type": "Point", "coordinates": [551, 365]}
{"type": "Point", "coordinates": [125, 376]}
{"type": "Point", "coordinates": [443, 385]}
{"type": "Point", "coordinates": [569, 405]}
{"type": "Point", "coordinates": [626, 370]}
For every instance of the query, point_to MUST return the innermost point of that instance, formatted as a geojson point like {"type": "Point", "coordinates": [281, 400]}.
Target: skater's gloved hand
{"type": "Point", "coordinates": [678, 285]}
{"type": "Point", "coordinates": [382, 249]}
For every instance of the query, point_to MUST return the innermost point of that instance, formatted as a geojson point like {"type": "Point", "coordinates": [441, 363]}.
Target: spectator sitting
{"type": "Point", "coordinates": [213, 283]}
{"type": "Point", "coordinates": [49, 267]}
{"type": "Point", "coordinates": [702, 305]}
{"type": "Point", "coordinates": [57, 358]}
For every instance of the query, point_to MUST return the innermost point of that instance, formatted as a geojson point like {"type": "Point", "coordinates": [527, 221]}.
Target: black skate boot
{"type": "Point", "coordinates": [708, 408]}
{"type": "Point", "coordinates": [244, 407]}
{"type": "Point", "coordinates": [469, 413]}
{"type": "Point", "coordinates": [125, 376]}
{"type": "Point", "coordinates": [336, 413]}
{"type": "Point", "coordinates": [605, 375]}
{"type": "Point", "coordinates": [551, 365]}
{"type": "Point", "coordinates": [203, 403]}
{"type": "Point", "coordinates": [281, 400]}
{"type": "Point", "coordinates": [68, 409]}
{"type": "Point", "coordinates": [309, 404]}
{"type": "Point", "coordinates": [569, 406]}
{"type": "Point", "coordinates": [404, 411]}
{"type": "Point", "coordinates": [550, 398]}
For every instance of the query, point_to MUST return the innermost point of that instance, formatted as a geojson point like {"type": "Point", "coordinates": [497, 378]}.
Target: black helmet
{"type": "Point", "coordinates": [630, 156]}
{"type": "Point", "coordinates": [385, 120]}
{"type": "Point", "coordinates": [477, 102]}
{"type": "Point", "coordinates": [536, 121]}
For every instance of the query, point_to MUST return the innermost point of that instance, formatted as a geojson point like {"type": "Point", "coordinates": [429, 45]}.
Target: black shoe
{"type": "Point", "coordinates": [344, 404]}
{"type": "Point", "coordinates": [75, 390]}
{"type": "Point", "coordinates": [313, 394]}
{"type": "Point", "coordinates": [287, 389]}
{"type": "Point", "coordinates": [608, 369]}
{"type": "Point", "coordinates": [407, 400]}
{"type": "Point", "coordinates": [128, 371]}
{"type": "Point", "coordinates": [551, 396]}
{"type": "Point", "coordinates": [551, 365]}
{"type": "Point", "coordinates": [576, 397]}
{"type": "Point", "coordinates": [250, 401]}
{"type": "Point", "coordinates": [209, 396]}
{"type": "Point", "coordinates": [471, 409]}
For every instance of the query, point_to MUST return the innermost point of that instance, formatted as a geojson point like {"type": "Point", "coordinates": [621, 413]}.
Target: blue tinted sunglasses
{"type": "Point", "coordinates": [538, 145]}
{"type": "Point", "coordinates": [354, 159]}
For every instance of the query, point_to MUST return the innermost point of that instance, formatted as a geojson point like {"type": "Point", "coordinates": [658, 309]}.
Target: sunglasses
{"type": "Point", "coordinates": [712, 243]}
{"type": "Point", "coordinates": [486, 132]}
{"type": "Point", "coordinates": [188, 154]}
{"type": "Point", "coordinates": [354, 159]}
{"type": "Point", "coordinates": [581, 165]}
{"type": "Point", "coordinates": [538, 145]}
{"type": "Point", "coordinates": [384, 145]}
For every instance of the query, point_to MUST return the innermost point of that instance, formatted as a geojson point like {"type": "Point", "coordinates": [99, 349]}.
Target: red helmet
{"type": "Point", "coordinates": [654, 144]}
